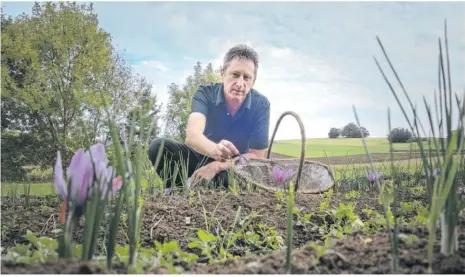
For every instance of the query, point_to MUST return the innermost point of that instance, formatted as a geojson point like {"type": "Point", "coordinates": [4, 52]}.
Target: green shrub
{"type": "Point", "coordinates": [400, 135]}
{"type": "Point", "coordinates": [334, 133]}
{"type": "Point", "coordinates": [38, 175]}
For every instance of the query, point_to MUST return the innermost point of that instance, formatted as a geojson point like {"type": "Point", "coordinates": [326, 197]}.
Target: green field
{"type": "Point", "coordinates": [338, 147]}
{"type": "Point", "coordinates": [36, 189]}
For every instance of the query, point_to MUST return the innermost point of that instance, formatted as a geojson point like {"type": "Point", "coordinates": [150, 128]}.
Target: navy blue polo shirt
{"type": "Point", "coordinates": [248, 129]}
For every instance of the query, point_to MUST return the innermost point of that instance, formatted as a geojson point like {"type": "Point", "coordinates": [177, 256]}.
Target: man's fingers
{"type": "Point", "coordinates": [225, 152]}
{"type": "Point", "coordinates": [232, 149]}
{"type": "Point", "coordinates": [195, 177]}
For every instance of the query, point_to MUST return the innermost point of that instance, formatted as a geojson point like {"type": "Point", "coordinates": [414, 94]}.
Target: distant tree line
{"type": "Point", "coordinates": [351, 130]}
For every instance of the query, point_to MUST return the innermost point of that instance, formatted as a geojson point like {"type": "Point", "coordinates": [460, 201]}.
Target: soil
{"type": "Point", "coordinates": [60, 267]}
{"type": "Point", "coordinates": [168, 218]}
{"type": "Point", "coordinates": [174, 217]}
{"type": "Point", "coordinates": [358, 254]}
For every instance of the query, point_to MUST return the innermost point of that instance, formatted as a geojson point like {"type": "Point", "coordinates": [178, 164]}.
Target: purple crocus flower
{"type": "Point", "coordinates": [281, 175]}
{"type": "Point", "coordinates": [109, 176]}
{"type": "Point", "coordinates": [242, 160]}
{"type": "Point", "coordinates": [80, 174]}
{"type": "Point", "coordinates": [372, 176]}
{"type": "Point", "coordinates": [436, 172]}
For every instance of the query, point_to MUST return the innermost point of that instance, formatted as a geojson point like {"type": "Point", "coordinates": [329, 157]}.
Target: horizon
{"type": "Point", "coordinates": [327, 68]}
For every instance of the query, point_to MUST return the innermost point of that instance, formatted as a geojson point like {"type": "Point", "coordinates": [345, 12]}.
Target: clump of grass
{"type": "Point", "coordinates": [384, 194]}
{"type": "Point", "coordinates": [282, 177]}
{"type": "Point", "coordinates": [132, 182]}
{"type": "Point", "coordinates": [441, 168]}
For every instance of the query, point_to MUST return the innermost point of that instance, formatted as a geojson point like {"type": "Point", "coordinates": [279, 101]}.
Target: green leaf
{"type": "Point", "coordinates": [122, 251]}
{"type": "Point", "coordinates": [48, 243]}
{"type": "Point", "coordinates": [171, 246]}
{"type": "Point", "coordinates": [30, 236]}
{"type": "Point", "coordinates": [26, 260]}
{"type": "Point", "coordinates": [205, 236]}
{"type": "Point", "coordinates": [195, 244]}
{"type": "Point", "coordinates": [78, 250]}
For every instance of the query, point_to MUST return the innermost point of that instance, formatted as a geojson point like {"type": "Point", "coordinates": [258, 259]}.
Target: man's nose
{"type": "Point", "coordinates": [240, 81]}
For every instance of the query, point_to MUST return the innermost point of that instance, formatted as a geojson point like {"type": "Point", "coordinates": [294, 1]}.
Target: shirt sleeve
{"type": "Point", "coordinates": [260, 133]}
{"type": "Point", "coordinates": [200, 100]}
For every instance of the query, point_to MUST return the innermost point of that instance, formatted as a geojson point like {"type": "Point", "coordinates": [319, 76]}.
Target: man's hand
{"type": "Point", "coordinates": [200, 143]}
{"type": "Point", "coordinates": [224, 151]}
{"type": "Point", "coordinates": [207, 172]}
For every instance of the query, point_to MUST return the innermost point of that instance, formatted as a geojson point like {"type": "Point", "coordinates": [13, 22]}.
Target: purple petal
{"type": "Point", "coordinates": [372, 176]}
{"type": "Point", "coordinates": [282, 175]}
{"type": "Point", "coordinates": [102, 172]}
{"type": "Point", "coordinates": [243, 160]}
{"type": "Point", "coordinates": [75, 162]}
{"type": "Point", "coordinates": [80, 172]}
{"type": "Point", "coordinates": [276, 172]}
{"type": "Point", "coordinates": [98, 153]}
{"type": "Point", "coordinates": [86, 179]}
{"type": "Point", "coordinates": [167, 191]}
{"type": "Point", "coordinates": [289, 173]}
{"type": "Point", "coordinates": [58, 176]}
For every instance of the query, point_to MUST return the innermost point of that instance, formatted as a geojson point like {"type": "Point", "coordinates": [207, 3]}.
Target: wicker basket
{"type": "Point", "coordinates": [308, 176]}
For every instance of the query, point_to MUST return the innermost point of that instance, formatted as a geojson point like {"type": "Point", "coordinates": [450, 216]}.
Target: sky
{"type": "Point", "coordinates": [316, 58]}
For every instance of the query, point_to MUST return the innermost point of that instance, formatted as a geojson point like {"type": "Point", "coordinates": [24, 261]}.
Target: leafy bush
{"type": "Point", "coordinates": [400, 135]}
{"type": "Point", "coordinates": [334, 132]}
{"type": "Point", "coordinates": [40, 175]}
{"type": "Point", "coordinates": [351, 130]}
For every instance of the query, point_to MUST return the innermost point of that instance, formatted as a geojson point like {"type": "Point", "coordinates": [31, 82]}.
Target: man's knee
{"type": "Point", "coordinates": [156, 148]}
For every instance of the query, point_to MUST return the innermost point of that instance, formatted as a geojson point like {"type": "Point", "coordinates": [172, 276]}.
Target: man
{"type": "Point", "coordinates": [227, 119]}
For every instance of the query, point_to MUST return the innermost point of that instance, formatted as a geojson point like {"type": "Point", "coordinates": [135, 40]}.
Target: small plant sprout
{"type": "Point", "coordinates": [88, 177]}
{"type": "Point", "coordinates": [282, 176]}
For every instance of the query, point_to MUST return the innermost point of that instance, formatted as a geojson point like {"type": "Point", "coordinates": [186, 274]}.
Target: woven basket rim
{"type": "Point", "coordinates": [240, 174]}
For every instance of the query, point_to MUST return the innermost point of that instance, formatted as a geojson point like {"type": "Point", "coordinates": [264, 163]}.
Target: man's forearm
{"type": "Point", "coordinates": [200, 143]}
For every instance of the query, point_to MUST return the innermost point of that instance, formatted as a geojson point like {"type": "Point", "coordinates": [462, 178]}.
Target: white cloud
{"type": "Point", "coordinates": [297, 82]}
{"type": "Point", "coordinates": [180, 21]}
{"type": "Point", "coordinates": [154, 64]}
{"type": "Point", "coordinates": [159, 75]}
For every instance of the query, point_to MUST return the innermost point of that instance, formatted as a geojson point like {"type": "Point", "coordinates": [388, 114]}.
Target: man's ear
{"type": "Point", "coordinates": [222, 74]}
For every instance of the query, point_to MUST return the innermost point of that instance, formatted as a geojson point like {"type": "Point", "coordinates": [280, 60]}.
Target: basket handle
{"type": "Point", "coordinates": [302, 151]}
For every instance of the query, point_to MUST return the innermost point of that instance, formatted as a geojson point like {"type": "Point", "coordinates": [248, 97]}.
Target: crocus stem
{"type": "Point", "coordinates": [290, 207]}
{"type": "Point", "coordinates": [66, 251]}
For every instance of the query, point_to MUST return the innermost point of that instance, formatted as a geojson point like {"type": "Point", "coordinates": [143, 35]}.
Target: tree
{"type": "Point", "coordinates": [56, 65]}
{"type": "Point", "coordinates": [365, 132]}
{"type": "Point", "coordinates": [351, 130]}
{"type": "Point", "coordinates": [179, 103]}
{"type": "Point", "coordinates": [52, 62]}
{"type": "Point", "coordinates": [400, 135]}
{"type": "Point", "coordinates": [334, 132]}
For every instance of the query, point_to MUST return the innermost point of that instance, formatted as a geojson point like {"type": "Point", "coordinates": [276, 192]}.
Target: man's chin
{"type": "Point", "coordinates": [237, 99]}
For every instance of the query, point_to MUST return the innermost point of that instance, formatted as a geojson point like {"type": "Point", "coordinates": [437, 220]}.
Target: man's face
{"type": "Point", "coordinates": [238, 79]}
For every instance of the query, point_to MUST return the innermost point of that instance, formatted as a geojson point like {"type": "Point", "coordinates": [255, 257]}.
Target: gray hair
{"type": "Point", "coordinates": [241, 51]}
